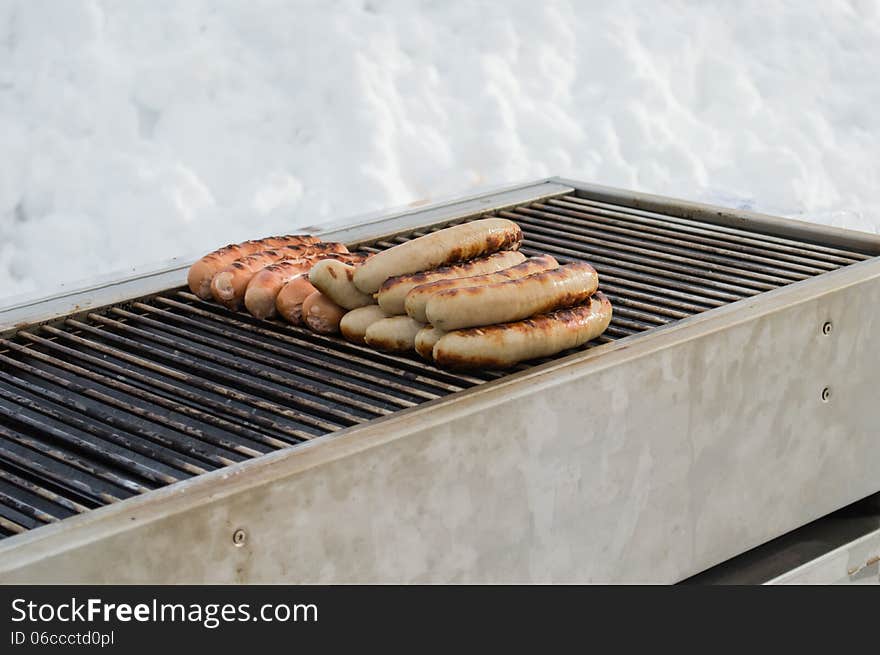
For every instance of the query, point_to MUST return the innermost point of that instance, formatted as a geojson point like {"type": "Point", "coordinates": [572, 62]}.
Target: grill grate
{"type": "Point", "coordinates": [141, 395]}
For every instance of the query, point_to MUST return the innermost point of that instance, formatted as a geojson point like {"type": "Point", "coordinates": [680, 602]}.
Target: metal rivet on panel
{"type": "Point", "coordinates": [826, 394]}
{"type": "Point", "coordinates": [827, 328]}
{"type": "Point", "coordinates": [239, 538]}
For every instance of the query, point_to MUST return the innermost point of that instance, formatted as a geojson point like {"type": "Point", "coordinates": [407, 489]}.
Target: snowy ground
{"type": "Point", "coordinates": [135, 131]}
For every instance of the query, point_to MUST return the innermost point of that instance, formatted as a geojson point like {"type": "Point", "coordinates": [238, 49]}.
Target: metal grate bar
{"type": "Point", "coordinates": [11, 498]}
{"type": "Point", "coordinates": [79, 453]}
{"type": "Point", "coordinates": [785, 248]}
{"type": "Point", "coordinates": [58, 505]}
{"type": "Point", "coordinates": [587, 224]}
{"type": "Point", "coordinates": [188, 444]}
{"type": "Point", "coordinates": [8, 527]}
{"type": "Point", "coordinates": [75, 434]}
{"type": "Point", "coordinates": [699, 286]}
{"type": "Point", "coordinates": [308, 411]}
{"type": "Point", "coordinates": [260, 352]}
{"type": "Point", "coordinates": [183, 376]}
{"type": "Point", "coordinates": [404, 368]}
{"type": "Point", "coordinates": [347, 369]}
{"type": "Point", "coordinates": [156, 445]}
{"type": "Point", "coordinates": [141, 383]}
{"type": "Point", "coordinates": [596, 243]}
{"type": "Point", "coordinates": [75, 482]}
{"type": "Point", "coordinates": [131, 402]}
{"type": "Point", "coordinates": [309, 395]}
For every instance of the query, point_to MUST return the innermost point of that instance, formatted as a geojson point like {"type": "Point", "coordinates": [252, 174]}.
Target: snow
{"type": "Point", "coordinates": [135, 131]}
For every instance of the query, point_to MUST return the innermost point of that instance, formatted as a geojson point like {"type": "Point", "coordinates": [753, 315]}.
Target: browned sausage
{"type": "Point", "coordinates": [393, 291]}
{"type": "Point", "coordinates": [452, 244]}
{"type": "Point", "coordinates": [290, 299]}
{"type": "Point", "coordinates": [229, 285]}
{"type": "Point", "coordinates": [322, 314]}
{"type": "Point", "coordinates": [425, 340]}
{"type": "Point", "coordinates": [514, 300]}
{"type": "Point", "coordinates": [262, 291]}
{"type": "Point", "coordinates": [501, 346]}
{"type": "Point", "coordinates": [417, 298]}
{"type": "Point", "coordinates": [201, 273]}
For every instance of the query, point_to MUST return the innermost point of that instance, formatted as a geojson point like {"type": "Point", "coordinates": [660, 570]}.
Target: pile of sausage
{"type": "Point", "coordinates": [462, 297]}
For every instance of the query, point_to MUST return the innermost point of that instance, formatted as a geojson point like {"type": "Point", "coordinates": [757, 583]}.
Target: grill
{"type": "Point", "coordinates": [101, 405]}
{"type": "Point", "coordinates": [151, 392]}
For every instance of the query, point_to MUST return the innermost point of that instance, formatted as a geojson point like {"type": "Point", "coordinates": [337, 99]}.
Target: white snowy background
{"type": "Point", "coordinates": [134, 131]}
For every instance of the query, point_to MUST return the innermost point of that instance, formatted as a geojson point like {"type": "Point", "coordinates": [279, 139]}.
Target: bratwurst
{"type": "Point", "coordinates": [393, 291]}
{"type": "Point", "coordinates": [425, 340]}
{"type": "Point", "coordinates": [395, 334]}
{"type": "Point", "coordinates": [264, 287]}
{"type": "Point", "coordinates": [355, 323]}
{"type": "Point", "coordinates": [334, 280]}
{"type": "Point", "coordinates": [229, 285]}
{"type": "Point", "coordinates": [202, 272]}
{"type": "Point", "coordinates": [417, 298]}
{"type": "Point", "coordinates": [452, 244]}
{"type": "Point", "coordinates": [289, 302]}
{"type": "Point", "coordinates": [502, 346]}
{"type": "Point", "coordinates": [513, 300]}
{"type": "Point", "coordinates": [322, 314]}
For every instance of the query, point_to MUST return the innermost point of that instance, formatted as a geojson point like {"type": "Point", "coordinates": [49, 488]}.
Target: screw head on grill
{"type": "Point", "coordinates": [826, 394]}
{"type": "Point", "coordinates": [827, 328]}
{"type": "Point", "coordinates": [239, 538]}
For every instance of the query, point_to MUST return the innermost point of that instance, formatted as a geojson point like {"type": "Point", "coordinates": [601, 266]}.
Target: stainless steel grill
{"type": "Point", "coordinates": [103, 406]}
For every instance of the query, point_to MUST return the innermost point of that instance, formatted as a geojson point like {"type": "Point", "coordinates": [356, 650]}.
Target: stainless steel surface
{"type": "Point", "coordinates": [801, 555]}
{"type": "Point", "coordinates": [595, 403]}
{"type": "Point", "coordinates": [857, 562]}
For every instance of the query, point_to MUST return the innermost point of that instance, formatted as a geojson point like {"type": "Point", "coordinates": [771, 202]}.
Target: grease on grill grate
{"type": "Point", "coordinates": [148, 393]}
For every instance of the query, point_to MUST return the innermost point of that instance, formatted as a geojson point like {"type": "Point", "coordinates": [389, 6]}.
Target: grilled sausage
{"type": "Point", "coordinates": [395, 334]}
{"type": "Point", "coordinates": [322, 314]}
{"type": "Point", "coordinates": [453, 244]}
{"type": "Point", "coordinates": [502, 346]}
{"type": "Point", "coordinates": [201, 273]}
{"type": "Point", "coordinates": [262, 291]}
{"type": "Point", "coordinates": [229, 285]}
{"type": "Point", "coordinates": [513, 300]}
{"type": "Point", "coordinates": [355, 323]}
{"type": "Point", "coordinates": [289, 302]}
{"type": "Point", "coordinates": [334, 280]}
{"type": "Point", "coordinates": [393, 291]}
{"type": "Point", "coordinates": [425, 340]}
{"type": "Point", "coordinates": [417, 298]}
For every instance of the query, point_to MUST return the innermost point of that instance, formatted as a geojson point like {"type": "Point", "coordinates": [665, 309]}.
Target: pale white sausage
{"type": "Point", "coordinates": [355, 323]}
{"type": "Point", "coordinates": [393, 291]}
{"type": "Point", "coordinates": [417, 298]}
{"type": "Point", "coordinates": [334, 279]}
{"type": "Point", "coordinates": [452, 244]}
{"type": "Point", "coordinates": [514, 300]}
{"type": "Point", "coordinates": [425, 340]}
{"type": "Point", "coordinates": [395, 334]}
{"type": "Point", "coordinates": [502, 346]}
